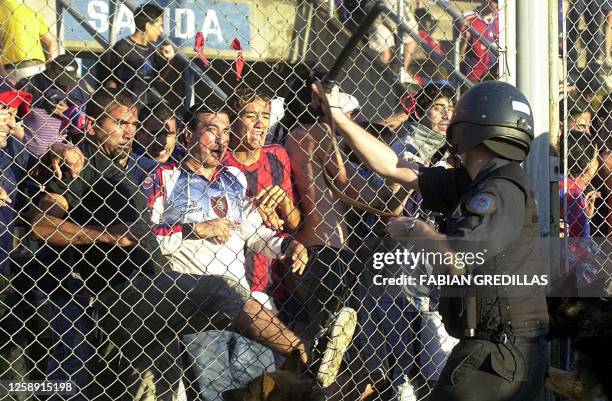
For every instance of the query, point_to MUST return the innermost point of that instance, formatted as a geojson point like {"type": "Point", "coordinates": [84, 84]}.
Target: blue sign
{"type": "Point", "coordinates": [219, 22]}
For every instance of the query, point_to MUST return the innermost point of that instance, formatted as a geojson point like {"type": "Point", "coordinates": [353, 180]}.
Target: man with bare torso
{"type": "Point", "coordinates": [324, 230]}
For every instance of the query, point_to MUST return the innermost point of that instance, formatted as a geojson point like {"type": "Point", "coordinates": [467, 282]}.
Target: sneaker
{"type": "Point", "coordinates": [339, 337]}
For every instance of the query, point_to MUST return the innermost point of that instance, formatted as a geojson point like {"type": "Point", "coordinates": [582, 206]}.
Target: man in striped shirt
{"type": "Point", "coordinates": [268, 172]}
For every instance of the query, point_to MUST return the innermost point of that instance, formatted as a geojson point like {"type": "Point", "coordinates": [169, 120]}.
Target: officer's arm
{"type": "Point", "coordinates": [376, 155]}
{"type": "Point", "coordinates": [425, 238]}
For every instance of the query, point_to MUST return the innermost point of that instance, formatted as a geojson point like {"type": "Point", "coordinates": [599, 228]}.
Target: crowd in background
{"type": "Point", "coordinates": [101, 188]}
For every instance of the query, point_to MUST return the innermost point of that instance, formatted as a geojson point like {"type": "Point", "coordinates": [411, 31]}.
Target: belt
{"type": "Point", "coordinates": [23, 64]}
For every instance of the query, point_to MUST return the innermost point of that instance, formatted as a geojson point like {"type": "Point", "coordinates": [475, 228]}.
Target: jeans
{"type": "Point", "coordinates": [322, 287]}
{"type": "Point", "coordinates": [216, 361]}
{"type": "Point", "coordinates": [72, 354]}
{"type": "Point", "coordinates": [144, 316]}
{"type": "Point", "coordinates": [13, 362]}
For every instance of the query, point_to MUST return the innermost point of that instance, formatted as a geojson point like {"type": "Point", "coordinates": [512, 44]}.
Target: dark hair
{"type": "Point", "coordinates": [104, 97]}
{"type": "Point", "coordinates": [243, 96]}
{"type": "Point", "coordinates": [429, 93]}
{"type": "Point", "coordinates": [298, 97]}
{"type": "Point", "coordinates": [581, 150]}
{"type": "Point", "coordinates": [159, 110]}
{"type": "Point", "coordinates": [146, 13]}
{"type": "Point", "coordinates": [212, 106]}
{"type": "Point", "coordinates": [578, 107]}
{"type": "Point", "coordinates": [425, 20]}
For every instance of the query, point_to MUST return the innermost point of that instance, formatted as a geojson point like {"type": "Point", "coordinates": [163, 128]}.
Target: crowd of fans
{"type": "Point", "coordinates": [207, 255]}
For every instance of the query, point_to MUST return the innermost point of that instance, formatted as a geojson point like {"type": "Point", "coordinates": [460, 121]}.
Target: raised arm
{"type": "Point", "coordinates": [377, 156]}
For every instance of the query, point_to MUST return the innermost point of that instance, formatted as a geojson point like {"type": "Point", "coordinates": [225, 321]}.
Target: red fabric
{"type": "Point", "coordinates": [435, 45]}
{"type": "Point", "coordinates": [200, 43]}
{"type": "Point", "coordinates": [272, 168]}
{"type": "Point", "coordinates": [19, 100]}
{"type": "Point", "coordinates": [478, 58]}
{"type": "Point", "coordinates": [408, 103]}
{"type": "Point", "coordinates": [239, 64]}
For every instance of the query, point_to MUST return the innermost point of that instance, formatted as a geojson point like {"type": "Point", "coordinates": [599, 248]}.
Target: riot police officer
{"type": "Point", "coordinates": [489, 212]}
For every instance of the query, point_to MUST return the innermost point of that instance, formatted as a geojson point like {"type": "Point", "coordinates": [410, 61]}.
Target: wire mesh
{"type": "Point", "coordinates": [163, 178]}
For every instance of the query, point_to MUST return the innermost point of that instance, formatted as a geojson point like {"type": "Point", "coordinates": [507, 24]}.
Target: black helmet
{"type": "Point", "coordinates": [495, 114]}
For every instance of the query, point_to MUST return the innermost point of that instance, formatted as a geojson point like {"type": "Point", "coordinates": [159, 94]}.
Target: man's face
{"type": "Point", "coordinates": [438, 115]}
{"type": "Point", "coordinates": [115, 130]}
{"type": "Point", "coordinates": [158, 138]}
{"type": "Point", "coordinates": [580, 123]}
{"type": "Point", "coordinates": [208, 142]}
{"type": "Point", "coordinates": [154, 30]}
{"type": "Point", "coordinates": [8, 116]}
{"type": "Point", "coordinates": [251, 126]}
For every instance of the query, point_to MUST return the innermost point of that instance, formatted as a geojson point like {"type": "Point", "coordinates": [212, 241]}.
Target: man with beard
{"type": "Point", "coordinates": [101, 219]}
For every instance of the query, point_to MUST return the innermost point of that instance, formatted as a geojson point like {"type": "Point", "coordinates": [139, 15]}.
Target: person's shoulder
{"type": "Point", "coordinates": [276, 149]}
{"type": "Point", "coordinates": [236, 176]}
{"type": "Point", "coordinates": [297, 136]}
{"type": "Point", "coordinates": [144, 163]}
{"type": "Point", "coordinates": [123, 45]}
{"type": "Point", "coordinates": [234, 173]}
{"type": "Point", "coordinates": [504, 191]}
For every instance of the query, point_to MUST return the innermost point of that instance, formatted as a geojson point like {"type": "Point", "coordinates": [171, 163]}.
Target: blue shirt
{"type": "Point", "coordinates": [13, 168]}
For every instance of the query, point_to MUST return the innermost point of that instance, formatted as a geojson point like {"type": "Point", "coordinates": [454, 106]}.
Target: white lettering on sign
{"type": "Point", "coordinates": [211, 25]}
{"type": "Point", "coordinates": [184, 19]}
{"type": "Point", "coordinates": [125, 19]}
{"type": "Point", "coordinates": [98, 10]}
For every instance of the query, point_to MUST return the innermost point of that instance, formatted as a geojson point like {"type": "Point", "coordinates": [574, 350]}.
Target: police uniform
{"type": "Point", "coordinates": [502, 354]}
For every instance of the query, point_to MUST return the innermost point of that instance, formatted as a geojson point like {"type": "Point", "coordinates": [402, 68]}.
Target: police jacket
{"type": "Point", "coordinates": [493, 220]}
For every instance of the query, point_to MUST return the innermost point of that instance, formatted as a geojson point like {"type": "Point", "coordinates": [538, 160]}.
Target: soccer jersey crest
{"type": "Point", "coordinates": [218, 205]}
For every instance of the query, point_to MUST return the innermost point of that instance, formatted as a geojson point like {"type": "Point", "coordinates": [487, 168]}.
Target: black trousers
{"type": "Point", "coordinates": [481, 370]}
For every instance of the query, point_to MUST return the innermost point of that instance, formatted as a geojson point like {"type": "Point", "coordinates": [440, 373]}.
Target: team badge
{"type": "Point", "coordinates": [148, 182]}
{"type": "Point", "coordinates": [483, 203]}
{"type": "Point", "coordinates": [219, 205]}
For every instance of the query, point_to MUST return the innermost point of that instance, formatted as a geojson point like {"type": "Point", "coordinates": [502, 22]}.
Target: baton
{"type": "Point", "coordinates": [362, 29]}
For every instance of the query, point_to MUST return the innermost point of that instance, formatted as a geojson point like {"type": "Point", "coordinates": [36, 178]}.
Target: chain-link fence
{"type": "Point", "coordinates": [584, 48]}
{"type": "Point", "coordinates": [171, 226]}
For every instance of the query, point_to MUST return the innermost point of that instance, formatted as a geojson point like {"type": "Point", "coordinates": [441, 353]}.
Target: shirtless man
{"type": "Point", "coordinates": [324, 230]}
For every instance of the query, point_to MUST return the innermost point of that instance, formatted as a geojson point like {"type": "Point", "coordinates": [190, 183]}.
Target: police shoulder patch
{"type": "Point", "coordinates": [483, 203]}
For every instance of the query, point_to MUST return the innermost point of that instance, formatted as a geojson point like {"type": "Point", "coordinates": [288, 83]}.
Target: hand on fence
{"type": "Point", "coordinates": [403, 227]}
{"type": "Point", "coordinates": [217, 231]}
{"type": "Point", "coordinates": [4, 198]}
{"type": "Point", "coordinates": [5, 122]}
{"type": "Point", "coordinates": [59, 109]}
{"type": "Point", "coordinates": [589, 199]}
{"type": "Point", "coordinates": [271, 197]}
{"type": "Point", "coordinates": [332, 96]}
{"type": "Point", "coordinates": [270, 217]}
{"type": "Point", "coordinates": [66, 155]}
{"type": "Point", "coordinates": [297, 256]}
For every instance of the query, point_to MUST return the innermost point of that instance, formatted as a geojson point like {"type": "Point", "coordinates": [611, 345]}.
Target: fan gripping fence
{"type": "Point", "coordinates": [127, 278]}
